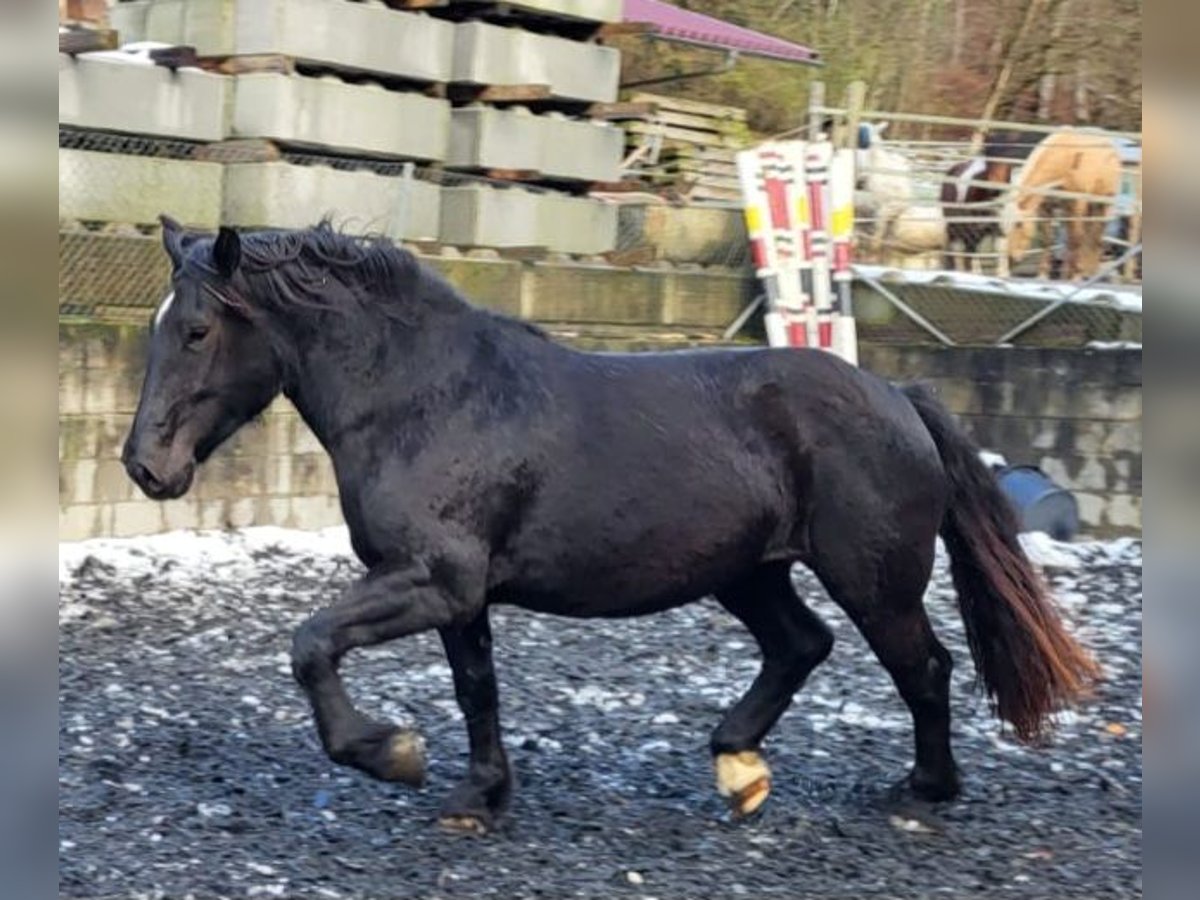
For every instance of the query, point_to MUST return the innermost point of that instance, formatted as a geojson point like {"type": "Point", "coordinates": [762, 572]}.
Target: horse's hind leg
{"type": "Point", "coordinates": [885, 602]}
{"type": "Point", "coordinates": [794, 641]}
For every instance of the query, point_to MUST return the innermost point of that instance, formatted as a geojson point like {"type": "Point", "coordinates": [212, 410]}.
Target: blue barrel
{"type": "Point", "coordinates": [1041, 504]}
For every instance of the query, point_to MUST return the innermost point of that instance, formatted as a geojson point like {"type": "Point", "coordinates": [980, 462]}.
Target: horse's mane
{"type": "Point", "coordinates": [323, 269]}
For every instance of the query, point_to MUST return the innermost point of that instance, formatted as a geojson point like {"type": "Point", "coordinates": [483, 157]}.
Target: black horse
{"type": "Point", "coordinates": [479, 463]}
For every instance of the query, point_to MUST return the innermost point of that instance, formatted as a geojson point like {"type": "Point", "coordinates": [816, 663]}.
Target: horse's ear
{"type": "Point", "coordinates": [227, 251]}
{"type": "Point", "coordinates": [172, 233]}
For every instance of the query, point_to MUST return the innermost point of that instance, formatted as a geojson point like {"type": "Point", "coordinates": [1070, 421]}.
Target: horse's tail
{"type": "Point", "coordinates": [1028, 663]}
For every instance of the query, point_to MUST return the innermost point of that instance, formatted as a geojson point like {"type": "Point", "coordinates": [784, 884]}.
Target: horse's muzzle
{"type": "Point", "coordinates": [156, 485]}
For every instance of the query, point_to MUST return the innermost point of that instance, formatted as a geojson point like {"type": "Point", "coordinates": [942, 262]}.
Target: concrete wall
{"type": "Point", "coordinates": [1075, 413]}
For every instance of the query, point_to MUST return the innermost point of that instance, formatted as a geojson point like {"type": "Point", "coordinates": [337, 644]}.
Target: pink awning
{"type": "Point", "coordinates": [677, 24]}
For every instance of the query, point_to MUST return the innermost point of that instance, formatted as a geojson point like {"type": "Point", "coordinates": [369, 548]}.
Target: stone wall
{"type": "Point", "coordinates": [1077, 414]}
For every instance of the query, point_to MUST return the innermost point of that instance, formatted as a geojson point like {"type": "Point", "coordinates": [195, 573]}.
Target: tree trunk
{"type": "Point", "coordinates": [1033, 8]}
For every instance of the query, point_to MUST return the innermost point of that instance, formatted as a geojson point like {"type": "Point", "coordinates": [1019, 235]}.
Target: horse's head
{"type": "Point", "coordinates": [210, 369]}
{"type": "Point", "coordinates": [1017, 225]}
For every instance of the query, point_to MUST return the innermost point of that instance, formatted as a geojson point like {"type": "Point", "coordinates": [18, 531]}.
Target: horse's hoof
{"type": "Point", "coordinates": [931, 788]}
{"type": "Point", "coordinates": [744, 780]}
{"type": "Point", "coordinates": [404, 758]}
{"type": "Point", "coordinates": [466, 824]}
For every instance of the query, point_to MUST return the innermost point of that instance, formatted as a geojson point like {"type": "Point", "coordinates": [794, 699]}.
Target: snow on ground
{"type": "Point", "coordinates": [188, 762]}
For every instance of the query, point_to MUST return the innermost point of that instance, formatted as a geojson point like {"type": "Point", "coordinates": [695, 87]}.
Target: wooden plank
{"type": "Point", "coordinates": [87, 40]}
{"type": "Point", "coordinates": [617, 187]}
{"type": "Point", "coordinates": [632, 256]}
{"type": "Point", "coordinates": [712, 154]}
{"type": "Point", "coordinates": [498, 93]}
{"type": "Point", "coordinates": [611, 30]}
{"type": "Point", "coordinates": [684, 135]}
{"type": "Point", "coordinates": [620, 111]}
{"type": "Point", "coordinates": [702, 123]}
{"type": "Point", "coordinates": [246, 65]}
{"type": "Point", "coordinates": [696, 107]}
{"type": "Point", "coordinates": [239, 151]}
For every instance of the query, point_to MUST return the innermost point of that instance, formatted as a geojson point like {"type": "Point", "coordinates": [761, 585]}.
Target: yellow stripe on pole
{"type": "Point", "coordinates": [802, 210]}
{"type": "Point", "coordinates": [842, 220]}
{"type": "Point", "coordinates": [753, 220]}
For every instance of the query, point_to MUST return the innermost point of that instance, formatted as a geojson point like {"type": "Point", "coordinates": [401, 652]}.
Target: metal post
{"type": "Point", "coordinates": [743, 317]}
{"type": "Point", "coordinates": [816, 109]}
{"type": "Point", "coordinates": [856, 99]}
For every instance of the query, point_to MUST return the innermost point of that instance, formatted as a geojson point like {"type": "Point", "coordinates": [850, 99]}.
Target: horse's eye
{"type": "Point", "coordinates": [196, 334]}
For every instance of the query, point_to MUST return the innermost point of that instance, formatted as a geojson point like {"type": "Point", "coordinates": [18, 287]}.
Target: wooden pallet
{"type": "Point", "coordinates": [691, 107]}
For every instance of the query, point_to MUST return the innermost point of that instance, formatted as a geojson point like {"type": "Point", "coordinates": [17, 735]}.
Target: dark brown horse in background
{"type": "Point", "coordinates": [972, 209]}
{"type": "Point", "coordinates": [481, 463]}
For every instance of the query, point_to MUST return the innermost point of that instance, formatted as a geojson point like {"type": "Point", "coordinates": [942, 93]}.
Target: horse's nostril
{"type": "Point", "coordinates": [143, 476]}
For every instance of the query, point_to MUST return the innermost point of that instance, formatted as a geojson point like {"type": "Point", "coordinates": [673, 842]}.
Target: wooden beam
{"type": "Point", "coordinates": [621, 111]}
{"type": "Point", "coordinates": [498, 93]}
{"type": "Point", "coordinates": [610, 30]}
{"type": "Point", "coordinates": [239, 151]}
{"type": "Point", "coordinates": [87, 40]}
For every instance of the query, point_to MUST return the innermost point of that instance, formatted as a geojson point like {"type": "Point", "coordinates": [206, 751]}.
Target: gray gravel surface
{"type": "Point", "coordinates": [189, 765]}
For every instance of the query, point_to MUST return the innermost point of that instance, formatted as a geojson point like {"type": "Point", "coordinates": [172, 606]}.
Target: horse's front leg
{"type": "Point", "coordinates": [388, 603]}
{"type": "Point", "coordinates": [484, 792]}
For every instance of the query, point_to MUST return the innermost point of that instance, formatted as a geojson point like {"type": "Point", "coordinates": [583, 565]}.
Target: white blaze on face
{"type": "Point", "coordinates": [162, 309]}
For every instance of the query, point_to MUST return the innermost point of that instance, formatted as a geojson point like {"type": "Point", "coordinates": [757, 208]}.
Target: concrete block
{"type": "Point", "coordinates": [136, 517]}
{"type": "Point", "coordinates": [359, 37]}
{"type": "Point", "coordinates": [114, 187]}
{"type": "Point", "coordinates": [576, 224]}
{"type": "Point", "coordinates": [109, 91]}
{"type": "Point", "coordinates": [482, 216]}
{"type": "Point", "coordinates": [282, 195]}
{"type": "Point", "coordinates": [315, 512]}
{"type": "Point", "coordinates": [493, 55]}
{"type": "Point", "coordinates": [589, 294]}
{"type": "Point", "coordinates": [181, 514]}
{"type": "Point", "coordinates": [79, 522]}
{"type": "Point", "coordinates": [129, 19]}
{"type": "Point", "coordinates": [577, 10]}
{"type": "Point", "coordinates": [328, 113]}
{"type": "Point", "coordinates": [483, 137]}
{"type": "Point", "coordinates": [494, 283]}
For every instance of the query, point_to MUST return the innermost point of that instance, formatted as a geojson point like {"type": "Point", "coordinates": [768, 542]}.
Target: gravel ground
{"type": "Point", "coordinates": [189, 765]}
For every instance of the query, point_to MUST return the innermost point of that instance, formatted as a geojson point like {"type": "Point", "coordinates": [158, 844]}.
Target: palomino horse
{"type": "Point", "coordinates": [1078, 162]}
{"type": "Point", "coordinates": [481, 463]}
